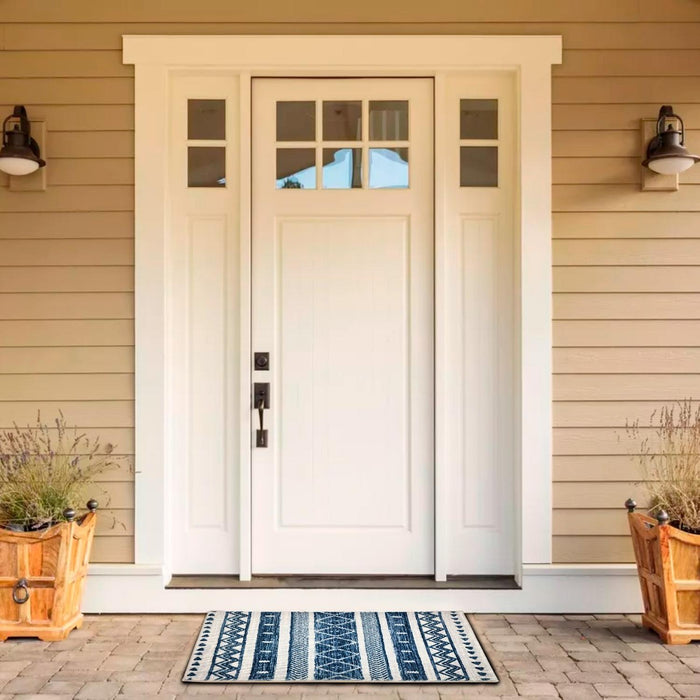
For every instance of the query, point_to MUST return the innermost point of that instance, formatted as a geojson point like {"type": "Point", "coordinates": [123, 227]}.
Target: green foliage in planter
{"type": "Point", "coordinates": [670, 461]}
{"type": "Point", "coordinates": [46, 468]}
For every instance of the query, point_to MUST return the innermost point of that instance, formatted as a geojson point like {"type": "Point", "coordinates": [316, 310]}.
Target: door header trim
{"type": "Point", "coordinates": [328, 54]}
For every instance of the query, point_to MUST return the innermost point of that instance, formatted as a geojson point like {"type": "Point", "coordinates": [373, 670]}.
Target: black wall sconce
{"type": "Point", "coordinates": [666, 152]}
{"type": "Point", "coordinates": [20, 153]}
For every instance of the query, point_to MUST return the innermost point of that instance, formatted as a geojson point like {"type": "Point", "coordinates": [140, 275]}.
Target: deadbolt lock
{"type": "Point", "coordinates": [261, 360]}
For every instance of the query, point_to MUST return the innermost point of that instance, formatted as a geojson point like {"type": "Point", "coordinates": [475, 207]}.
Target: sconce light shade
{"type": "Point", "coordinates": [20, 152]}
{"type": "Point", "coordinates": [666, 152]}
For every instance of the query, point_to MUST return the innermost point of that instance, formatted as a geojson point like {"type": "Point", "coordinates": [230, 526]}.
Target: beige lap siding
{"type": "Point", "coordinates": [627, 263]}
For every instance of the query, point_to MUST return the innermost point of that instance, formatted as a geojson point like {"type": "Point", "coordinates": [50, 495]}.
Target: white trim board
{"type": "Point", "coordinates": [157, 59]}
{"type": "Point", "coordinates": [267, 54]}
{"type": "Point", "coordinates": [584, 589]}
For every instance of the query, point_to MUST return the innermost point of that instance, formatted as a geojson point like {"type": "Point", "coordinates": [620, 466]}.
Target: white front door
{"type": "Point", "coordinates": [342, 300]}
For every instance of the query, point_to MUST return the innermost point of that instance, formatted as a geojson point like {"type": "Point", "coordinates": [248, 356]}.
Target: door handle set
{"type": "Point", "coordinates": [261, 401]}
{"type": "Point", "coordinates": [261, 396]}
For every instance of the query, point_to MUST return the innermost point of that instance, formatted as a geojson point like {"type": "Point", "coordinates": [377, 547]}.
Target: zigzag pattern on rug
{"type": "Point", "coordinates": [370, 647]}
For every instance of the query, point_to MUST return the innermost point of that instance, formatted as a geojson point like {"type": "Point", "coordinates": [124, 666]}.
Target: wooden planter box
{"type": "Point", "coordinates": [42, 576]}
{"type": "Point", "coordinates": [668, 562]}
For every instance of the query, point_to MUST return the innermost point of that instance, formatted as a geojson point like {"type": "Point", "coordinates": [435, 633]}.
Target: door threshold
{"type": "Point", "coordinates": [186, 581]}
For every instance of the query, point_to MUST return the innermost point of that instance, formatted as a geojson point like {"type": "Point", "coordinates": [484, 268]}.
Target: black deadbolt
{"type": "Point", "coordinates": [262, 360]}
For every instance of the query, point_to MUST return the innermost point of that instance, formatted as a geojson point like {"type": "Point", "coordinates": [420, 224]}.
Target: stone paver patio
{"type": "Point", "coordinates": [575, 657]}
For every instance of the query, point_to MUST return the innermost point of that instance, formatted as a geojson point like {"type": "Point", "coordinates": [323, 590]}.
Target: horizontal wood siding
{"type": "Point", "coordinates": [626, 263]}
{"type": "Point", "coordinates": [626, 283]}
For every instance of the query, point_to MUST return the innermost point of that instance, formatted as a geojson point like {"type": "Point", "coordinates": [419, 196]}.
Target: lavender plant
{"type": "Point", "coordinates": [670, 461]}
{"type": "Point", "coordinates": [46, 468]}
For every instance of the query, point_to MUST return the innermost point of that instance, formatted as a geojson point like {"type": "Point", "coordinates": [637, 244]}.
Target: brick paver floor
{"type": "Point", "coordinates": [575, 657]}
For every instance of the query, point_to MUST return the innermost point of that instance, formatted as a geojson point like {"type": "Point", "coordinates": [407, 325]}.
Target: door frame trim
{"type": "Point", "coordinates": [156, 60]}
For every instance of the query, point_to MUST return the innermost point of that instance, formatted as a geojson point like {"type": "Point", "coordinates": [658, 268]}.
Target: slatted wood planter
{"type": "Point", "coordinates": [668, 563]}
{"type": "Point", "coordinates": [42, 577]}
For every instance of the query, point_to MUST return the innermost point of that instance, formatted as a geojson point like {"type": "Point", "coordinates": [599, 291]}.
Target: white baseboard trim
{"type": "Point", "coordinates": [547, 588]}
{"type": "Point", "coordinates": [97, 570]}
{"type": "Point", "coordinates": [580, 570]}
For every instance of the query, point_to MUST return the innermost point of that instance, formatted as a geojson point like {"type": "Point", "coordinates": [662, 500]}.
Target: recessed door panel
{"type": "Point", "coordinates": [343, 308]}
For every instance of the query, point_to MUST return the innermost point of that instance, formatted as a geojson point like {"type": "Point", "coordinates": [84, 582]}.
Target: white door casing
{"type": "Point", "coordinates": [160, 64]}
{"type": "Point", "coordinates": [343, 301]}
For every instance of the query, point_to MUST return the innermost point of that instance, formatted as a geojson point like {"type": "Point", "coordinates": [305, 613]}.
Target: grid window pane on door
{"type": "Point", "coordinates": [296, 169]}
{"type": "Point", "coordinates": [206, 136]}
{"type": "Point", "coordinates": [296, 120]}
{"type": "Point", "coordinates": [342, 144]}
{"type": "Point", "coordinates": [342, 168]}
{"type": "Point", "coordinates": [478, 152]}
{"type": "Point", "coordinates": [388, 120]}
{"type": "Point", "coordinates": [342, 120]}
{"type": "Point", "coordinates": [388, 168]}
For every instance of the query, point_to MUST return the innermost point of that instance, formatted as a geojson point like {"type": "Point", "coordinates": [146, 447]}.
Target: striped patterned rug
{"type": "Point", "coordinates": [322, 647]}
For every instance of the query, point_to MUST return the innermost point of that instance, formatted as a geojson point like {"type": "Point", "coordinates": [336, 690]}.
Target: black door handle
{"type": "Point", "coordinates": [261, 413]}
{"type": "Point", "coordinates": [261, 398]}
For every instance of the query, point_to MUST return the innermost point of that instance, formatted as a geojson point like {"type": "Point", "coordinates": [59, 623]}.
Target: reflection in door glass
{"type": "Point", "coordinates": [388, 120]}
{"type": "Point", "coordinates": [206, 119]}
{"type": "Point", "coordinates": [206, 166]}
{"type": "Point", "coordinates": [478, 166]}
{"type": "Point", "coordinates": [296, 121]}
{"type": "Point", "coordinates": [388, 168]}
{"type": "Point", "coordinates": [478, 119]}
{"type": "Point", "coordinates": [342, 121]}
{"type": "Point", "coordinates": [342, 168]}
{"type": "Point", "coordinates": [296, 169]}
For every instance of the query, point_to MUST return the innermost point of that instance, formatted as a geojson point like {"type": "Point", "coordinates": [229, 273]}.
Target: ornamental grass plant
{"type": "Point", "coordinates": [47, 468]}
{"type": "Point", "coordinates": [668, 451]}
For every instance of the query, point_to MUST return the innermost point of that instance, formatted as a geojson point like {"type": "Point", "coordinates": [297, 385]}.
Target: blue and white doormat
{"type": "Point", "coordinates": [359, 647]}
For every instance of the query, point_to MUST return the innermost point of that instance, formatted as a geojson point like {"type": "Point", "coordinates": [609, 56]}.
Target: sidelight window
{"type": "Point", "coordinates": [206, 138]}
{"type": "Point", "coordinates": [478, 133]}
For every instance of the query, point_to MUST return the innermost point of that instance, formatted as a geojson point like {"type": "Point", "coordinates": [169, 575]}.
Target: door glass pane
{"type": "Point", "coordinates": [206, 119]}
{"type": "Point", "coordinates": [296, 121]}
{"type": "Point", "coordinates": [342, 121]}
{"type": "Point", "coordinates": [478, 119]}
{"type": "Point", "coordinates": [388, 168]}
{"type": "Point", "coordinates": [342, 168]}
{"type": "Point", "coordinates": [296, 168]}
{"type": "Point", "coordinates": [388, 120]}
{"type": "Point", "coordinates": [206, 166]}
{"type": "Point", "coordinates": [478, 166]}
